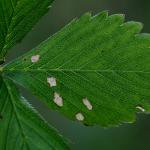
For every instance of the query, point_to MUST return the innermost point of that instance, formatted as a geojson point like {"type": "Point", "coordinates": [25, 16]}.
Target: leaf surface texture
{"type": "Point", "coordinates": [21, 127]}
{"type": "Point", "coordinates": [101, 67]}
{"type": "Point", "coordinates": [17, 17]}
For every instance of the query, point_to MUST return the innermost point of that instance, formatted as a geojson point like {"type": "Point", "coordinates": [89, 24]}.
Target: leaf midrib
{"type": "Point", "coordinates": [72, 70]}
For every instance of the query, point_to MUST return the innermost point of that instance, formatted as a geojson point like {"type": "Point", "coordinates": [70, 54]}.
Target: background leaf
{"type": "Point", "coordinates": [100, 66]}
{"type": "Point", "coordinates": [17, 17]}
{"type": "Point", "coordinates": [21, 128]}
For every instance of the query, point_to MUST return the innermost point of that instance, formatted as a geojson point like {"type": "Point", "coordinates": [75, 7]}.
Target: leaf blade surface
{"type": "Point", "coordinates": [99, 62]}
{"type": "Point", "coordinates": [17, 17]}
{"type": "Point", "coordinates": [21, 127]}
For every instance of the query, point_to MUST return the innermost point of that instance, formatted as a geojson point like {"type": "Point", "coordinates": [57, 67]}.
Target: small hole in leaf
{"type": "Point", "coordinates": [51, 81]}
{"type": "Point", "coordinates": [35, 58]}
{"type": "Point", "coordinates": [87, 103]}
{"type": "Point", "coordinates": [139, 107]}
{"type": "Point", "coordinates": [58, 99]}
{"type": "Point", "coordinates": [79, 116]}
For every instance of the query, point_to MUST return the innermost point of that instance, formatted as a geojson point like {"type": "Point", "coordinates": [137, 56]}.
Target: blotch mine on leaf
{"type": "Point", "coordinates": [87, 103]}
{"type": "Point", "coordinates": [58, 99]}
{"type": "Point", "coordinates": [140, 108]}
{"type": "Point", "coordinates": [79, 116]}
{"type": "Point", "coordinates": [35, 58]}
{"type": "Point", "coordinates": [51, 81]}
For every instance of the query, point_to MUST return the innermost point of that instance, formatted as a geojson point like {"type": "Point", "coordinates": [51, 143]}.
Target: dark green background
{"type": "Point", "coordinates": [126, 137]}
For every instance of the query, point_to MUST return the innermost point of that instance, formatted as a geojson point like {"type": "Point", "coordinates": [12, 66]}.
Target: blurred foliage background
{"type": "Point", "coordinates": [125, 137]}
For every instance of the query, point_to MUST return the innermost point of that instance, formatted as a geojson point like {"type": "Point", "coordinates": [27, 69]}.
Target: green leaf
{"type": "Point", "coordinates": [17, 17]}
{"type": "Point", "coordinates": [21, 128]}
{"type": "Point", "coordinates": [101, 66]}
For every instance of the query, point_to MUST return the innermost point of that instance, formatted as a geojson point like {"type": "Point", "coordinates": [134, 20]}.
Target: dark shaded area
{"type": "Point", "coordinates": [126, 137]}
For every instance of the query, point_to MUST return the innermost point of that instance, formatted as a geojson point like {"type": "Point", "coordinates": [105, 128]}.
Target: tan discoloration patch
{"type": "Point", "coordinates": [79, 116]}
{"type": "Point", "coordinates": [51, 81]}
{"type": "Point", "coordinates": [35, 58]}
{"type": "Point", "coordinates": [58, 99]}
{"type": "Point", "coordinates": [87, 103]}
